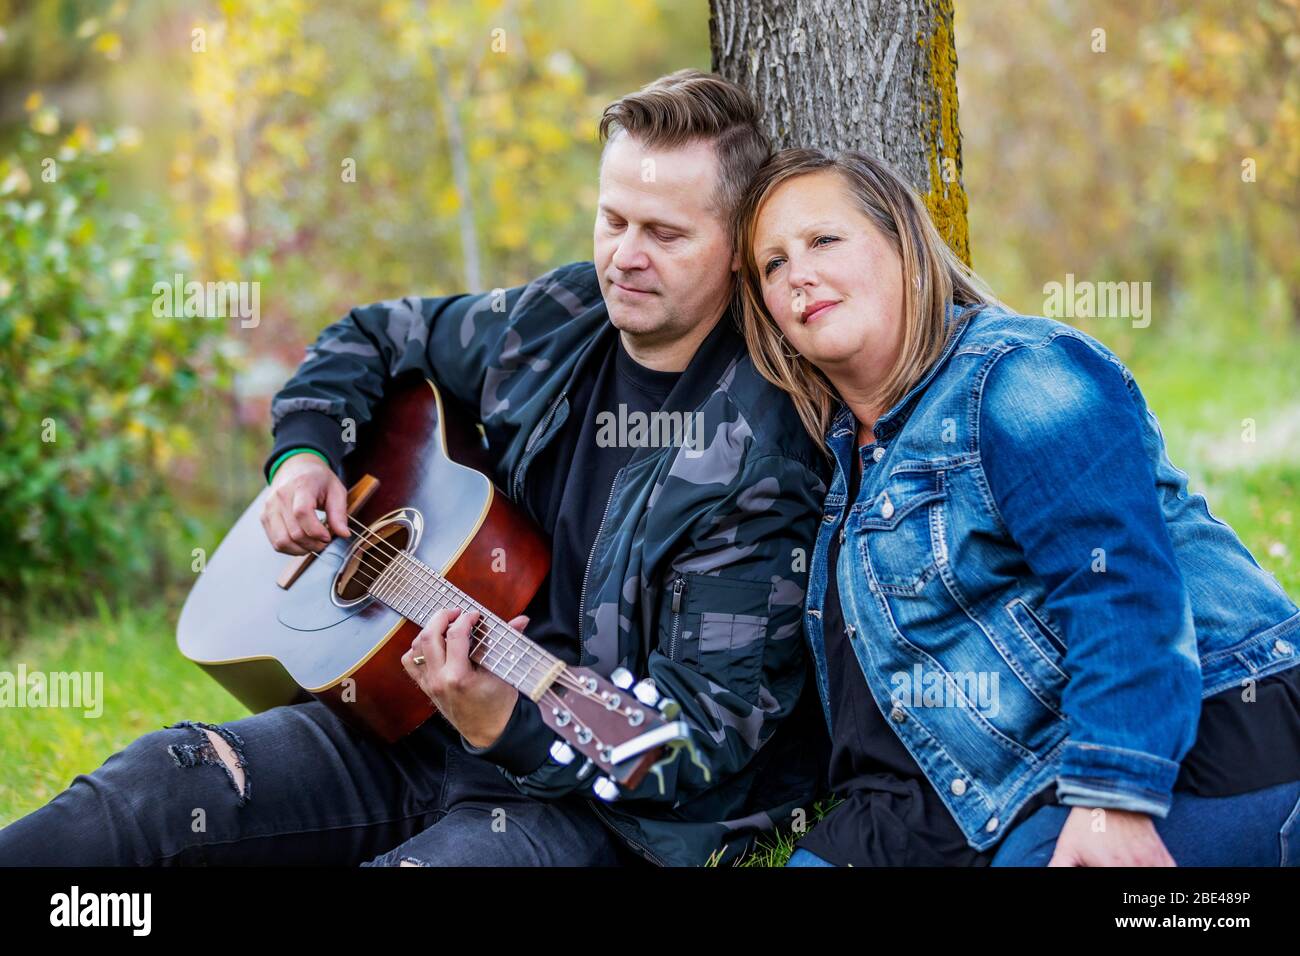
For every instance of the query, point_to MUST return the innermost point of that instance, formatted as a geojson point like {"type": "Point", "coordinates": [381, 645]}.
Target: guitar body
{"type": "Point", "coordinates": [266, 643]}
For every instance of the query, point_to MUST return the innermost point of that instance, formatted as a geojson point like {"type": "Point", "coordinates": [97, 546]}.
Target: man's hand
{"type": "Point", "coordinates": [302, 484]}
{"type": "Point", "coordinates": [476, 701]}
{"type": "Point", "coordinates": [1129, 839]}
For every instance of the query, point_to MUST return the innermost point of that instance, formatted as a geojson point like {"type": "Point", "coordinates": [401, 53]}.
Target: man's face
{"type": "Point", "coordinates": [662, 251]}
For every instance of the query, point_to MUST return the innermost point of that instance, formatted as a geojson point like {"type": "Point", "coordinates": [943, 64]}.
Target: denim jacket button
{"type": "Point", "coordinates": [959, 786]}
{"type": "Point", "coordinates": [887, 509]}
{"type": "Point", "coordinates": [1282, 647]}
{"type": "Point", "coordinates": [841, 535]}
{"type": "Point", "coordinates": [898, 715]}
{"type": "Point", "coordinates": [991, 825]}
{"type": "Point", "coordinates": [850, 629]}
{"type": "Point", "coordinates": [878, 454]}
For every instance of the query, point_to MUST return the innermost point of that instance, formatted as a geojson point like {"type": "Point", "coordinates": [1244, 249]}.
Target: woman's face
{"type": "Point", "coordinates": [830, 278]}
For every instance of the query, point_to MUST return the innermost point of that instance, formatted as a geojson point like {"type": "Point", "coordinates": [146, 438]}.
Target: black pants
{"type": "Point", "coordinates": [316, 791]}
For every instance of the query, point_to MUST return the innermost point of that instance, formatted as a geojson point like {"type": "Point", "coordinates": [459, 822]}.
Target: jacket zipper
{"type": "Point", "coordinates": [609, 822]}
{"type": "Point", "coordinates": [529, 450]}
{"type": "Point", "coordinates": [678, 587]}
{"type": "Point", "coordinates": [582, 597]}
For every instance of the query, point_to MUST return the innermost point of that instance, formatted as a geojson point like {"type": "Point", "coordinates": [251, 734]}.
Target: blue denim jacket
{"type": "Point", "coordinates": [1032, 593]}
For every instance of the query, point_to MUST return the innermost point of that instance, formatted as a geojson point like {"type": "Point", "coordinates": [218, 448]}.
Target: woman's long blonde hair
{"type": "Point", "coordinates": [933, 277]}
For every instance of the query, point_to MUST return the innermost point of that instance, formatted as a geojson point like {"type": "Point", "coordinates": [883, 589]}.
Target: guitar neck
{"type": "Point", "coordinates": [417, 592]}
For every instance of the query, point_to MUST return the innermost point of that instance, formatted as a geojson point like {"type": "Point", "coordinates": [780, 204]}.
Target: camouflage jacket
{"type": "Point", "coordinates": [697, 574]}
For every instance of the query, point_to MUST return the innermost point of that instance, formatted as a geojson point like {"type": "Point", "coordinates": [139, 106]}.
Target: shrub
{"type": "Point", "coordinates": [96, 392]}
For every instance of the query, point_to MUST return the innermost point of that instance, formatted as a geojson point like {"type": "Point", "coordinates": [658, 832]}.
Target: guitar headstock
{"type": "Point", "coordinates": [621, 726]}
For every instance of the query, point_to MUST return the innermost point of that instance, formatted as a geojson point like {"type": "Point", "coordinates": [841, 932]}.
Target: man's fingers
{"type": "Point", "coordinates": [439, 622]}
{"type": "Point", "coordinates": [429, 641]}
{"type": "Point", "coordinates": [304, 512]}
{"type": "Point", "coordinates": [520, 622]}
{"type": "Point", "coordinates": [294, 530]}
{"type": "Point", "coordinates": [336, 507]}
{"type": "Point", "coordinates": [279, 535]}
{"type": "Point", "coordinates": [463, 627]}
{"type": "Point", "coordinates": [458, 642]}
{"type": "Point", "coordinates": [408, 664]}
{"type": "Point", "coordinates": [457, 646]}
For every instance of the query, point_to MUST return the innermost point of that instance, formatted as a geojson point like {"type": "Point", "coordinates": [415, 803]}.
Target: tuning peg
{"type": "Point", "coordinates": [562, 753]}
{"type": "Point", "coordinates": [669, 708]}
{"type": "Point", "coordinates": [621, 678]}
{"type": "Point", "coordinates": [605, 788]}
{"type": "Point", "coordinates": [585, 769]}
{"type": "Point", "coordinates": [646, 692]}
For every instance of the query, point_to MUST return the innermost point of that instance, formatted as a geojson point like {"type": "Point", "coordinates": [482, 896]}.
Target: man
{"type": "Point", "coordinates": [684, 563]}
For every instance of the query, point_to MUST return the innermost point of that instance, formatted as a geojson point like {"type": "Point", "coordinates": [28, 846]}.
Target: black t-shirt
{"type": "Point", "coordinates": [570, 481]}
{"type": "Point", "coordinates": [892, 815]}
{"type": "Point", "coordinates": [569, 485]}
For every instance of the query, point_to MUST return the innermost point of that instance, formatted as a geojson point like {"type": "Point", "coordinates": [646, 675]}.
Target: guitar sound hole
{"type": "Point", "coordinates": [372, 553]}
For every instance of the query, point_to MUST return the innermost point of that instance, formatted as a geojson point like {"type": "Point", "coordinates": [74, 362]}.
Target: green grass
{"type": "Point", "coordinates": [1209, 401]}
{"type": "Point", "coordinates": [775, 850]}
{"type": "Point", "coordinates": [147, 684]}
{"type": "Point", "coordinates": [1200, 387]}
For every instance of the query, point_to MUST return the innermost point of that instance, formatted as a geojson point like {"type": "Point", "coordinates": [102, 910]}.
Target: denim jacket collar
{"type": "Point", "coordinates": [956, 322]}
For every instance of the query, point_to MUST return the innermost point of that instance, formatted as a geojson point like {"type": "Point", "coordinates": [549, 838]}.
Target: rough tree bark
{"type": "Point", "coordinates": [879, 76]}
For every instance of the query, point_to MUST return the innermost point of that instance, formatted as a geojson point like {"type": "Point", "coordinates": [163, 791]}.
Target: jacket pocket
{"type": "Point", "coordinates": [1041, 666]}
{"type": "Point", "coordinates": [718, 626]}
{"type": "Point", "coordinates": [902, 530]}
{"type": "Point", "coordinates": [1035, 628]}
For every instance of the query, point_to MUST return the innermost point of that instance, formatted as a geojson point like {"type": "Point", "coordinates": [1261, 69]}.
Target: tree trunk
{"type": "Point", "coordinates": [879, 77]}
{"type": "Point", "coordinates": [450, 105]}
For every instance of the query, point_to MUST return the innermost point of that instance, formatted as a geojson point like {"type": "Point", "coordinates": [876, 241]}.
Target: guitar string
{"type": "Point", "coordinates": [435, 589]}
{"type": "Point", "coordinates": [548, 694]}
{"type": "Point", "coordinates": [425, 598]}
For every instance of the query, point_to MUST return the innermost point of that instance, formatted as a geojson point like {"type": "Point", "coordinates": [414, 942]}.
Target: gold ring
{"type": "Point", "coordinates": [418, 659]}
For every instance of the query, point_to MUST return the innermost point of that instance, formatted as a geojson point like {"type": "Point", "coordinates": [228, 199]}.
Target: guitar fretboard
{"type": "Point", "coordinates": [416, 591]}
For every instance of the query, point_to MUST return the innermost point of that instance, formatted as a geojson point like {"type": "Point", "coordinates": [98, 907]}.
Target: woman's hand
{"type": "Point", "coordinates": [1126, 839]}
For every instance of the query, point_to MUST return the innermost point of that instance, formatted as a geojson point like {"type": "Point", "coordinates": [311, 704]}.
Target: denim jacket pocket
{"type": "Point", "coordinates": [1037, 656]}
{"type": "Point", "coordinates": [902, 532]}
{"type": "Point", "coordinates": [719, 627]}
{"type": "Point", "coordinates": [1040, 637]}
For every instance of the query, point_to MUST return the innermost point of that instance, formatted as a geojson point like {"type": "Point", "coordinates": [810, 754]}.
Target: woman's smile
{"type": "Point", "coordinates": [817, 310]}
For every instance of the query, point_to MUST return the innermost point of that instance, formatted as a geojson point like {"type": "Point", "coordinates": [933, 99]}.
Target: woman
{"type": "Point", "coordinates": [1017, 611]}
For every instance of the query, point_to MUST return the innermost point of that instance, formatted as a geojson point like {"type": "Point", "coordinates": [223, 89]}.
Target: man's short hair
{"type": "Point", "coordinates": [691, 105]}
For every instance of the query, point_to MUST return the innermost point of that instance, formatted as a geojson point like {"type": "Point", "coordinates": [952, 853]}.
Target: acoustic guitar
{"type": "Point", "coordinates": [429, 530]}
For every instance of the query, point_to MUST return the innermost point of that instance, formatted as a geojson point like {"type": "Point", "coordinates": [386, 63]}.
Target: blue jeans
{"type": "Point", "coordinates": [802, 857]}
{"type": "Point", "coordinates": [1260, 828]}
{"type": "Point", "coordinates": [316, 791]}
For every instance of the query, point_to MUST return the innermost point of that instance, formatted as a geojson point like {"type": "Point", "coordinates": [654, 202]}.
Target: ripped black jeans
{"type": "Point", "coordinates": [316, 792]}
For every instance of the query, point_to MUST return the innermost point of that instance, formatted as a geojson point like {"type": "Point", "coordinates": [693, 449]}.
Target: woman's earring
{"type": "Point", "coordinates": [789, 355]}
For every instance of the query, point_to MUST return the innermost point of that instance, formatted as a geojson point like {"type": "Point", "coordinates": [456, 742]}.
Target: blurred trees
{"type": "Point", "coordinates": [97, 386]}
{"type": "Point", "coordinates": [343, 153]}
{"type": "Point", "coordinates": [423, 147]}
{"type": "Point", "coordinates": [1109, 139]}
{"type": "Point", "coordinates": [334, 154]}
